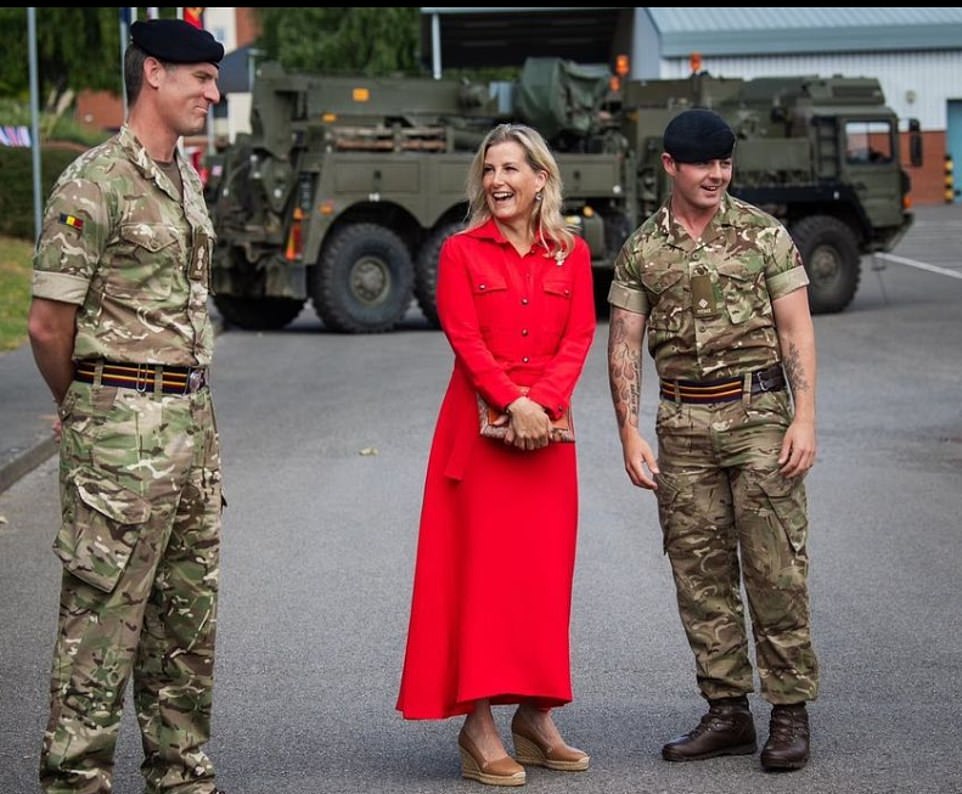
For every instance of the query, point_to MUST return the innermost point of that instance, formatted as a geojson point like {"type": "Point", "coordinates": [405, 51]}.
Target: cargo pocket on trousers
{"type": "Point", "coordinates": [101, 525]}
{"type": "Point", "coordinates": [667, 497]}
{"type": "Point", "coordinates": [786, 498]}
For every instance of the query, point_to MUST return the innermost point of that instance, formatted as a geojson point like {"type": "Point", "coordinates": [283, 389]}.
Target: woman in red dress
{"type": "Point", "coordinates": [491, 602]}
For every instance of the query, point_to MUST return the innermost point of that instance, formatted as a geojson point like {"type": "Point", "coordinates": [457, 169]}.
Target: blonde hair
{"type": "Point", "coordinates": [546, 219]}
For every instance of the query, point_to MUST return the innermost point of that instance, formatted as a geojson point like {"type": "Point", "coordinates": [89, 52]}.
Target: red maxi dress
{"type": "Point", "coordinates": [491, 601]}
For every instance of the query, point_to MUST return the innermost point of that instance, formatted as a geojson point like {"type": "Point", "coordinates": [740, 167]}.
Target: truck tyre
{"type": "Point", "coordinates": [832, 260]}
{"type": "Point", "coordinates": [426, 271]}
{"type": "Point", "coordinates": [258, 314]}
{"type": "Point", "coordinates": [364, 280]}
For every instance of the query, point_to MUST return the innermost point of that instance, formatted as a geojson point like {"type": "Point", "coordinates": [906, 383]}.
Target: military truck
{"type": "Point", "coordinates": [346, 187]}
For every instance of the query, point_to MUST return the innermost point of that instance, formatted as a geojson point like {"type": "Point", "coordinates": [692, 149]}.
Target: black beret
{"type": "Point", "coordinates": [697, 136]}
{"type": "Point", "coordinates": [176, 41]}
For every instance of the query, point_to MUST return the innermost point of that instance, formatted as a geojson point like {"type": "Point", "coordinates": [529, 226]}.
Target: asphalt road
{"type": "Point", "coordinates": [325, 442]}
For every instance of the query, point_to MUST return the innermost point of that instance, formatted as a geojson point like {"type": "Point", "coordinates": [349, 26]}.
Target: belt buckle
{"type": "Point", "coordinates": [195, 380]}
{"type": "Point", "coordinates": [764, 383]}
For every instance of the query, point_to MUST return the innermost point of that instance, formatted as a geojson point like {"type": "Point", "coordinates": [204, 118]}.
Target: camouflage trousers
{"type": "Point", "coordinates": [141, 502]}
{"type": "Point", "coordinates": [728, 517]}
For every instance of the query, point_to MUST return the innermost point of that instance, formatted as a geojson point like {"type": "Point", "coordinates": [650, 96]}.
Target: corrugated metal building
{"type": "Point", "coordinates": [915, 53]}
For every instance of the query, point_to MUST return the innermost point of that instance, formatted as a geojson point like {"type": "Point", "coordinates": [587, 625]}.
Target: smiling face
{"type": "Point", "coordinates": [698, 187]}
{"type": "Point", "coordinates": [510, 184]}
{"type": "Point", "coordinates": [188, 92]}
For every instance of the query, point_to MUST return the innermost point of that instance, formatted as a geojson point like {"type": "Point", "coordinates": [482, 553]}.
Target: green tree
{"type": "Point", "coordinates": [372, 41]}
{"type": "Point", "coordinates": [77, 48]}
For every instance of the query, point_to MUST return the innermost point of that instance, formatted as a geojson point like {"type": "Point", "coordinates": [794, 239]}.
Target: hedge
{"type": "Point", "coordinates": [16, 184]}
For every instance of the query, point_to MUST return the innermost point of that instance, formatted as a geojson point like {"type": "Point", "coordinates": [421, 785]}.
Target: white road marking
{"type": "Point", "coordinates": [901, 260]}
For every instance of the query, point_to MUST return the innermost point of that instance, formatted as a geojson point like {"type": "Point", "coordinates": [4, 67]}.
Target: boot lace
{"type": "Point", "coordinates": [787, 725]}
{"type": "Point", "coordinates": [714, 720]}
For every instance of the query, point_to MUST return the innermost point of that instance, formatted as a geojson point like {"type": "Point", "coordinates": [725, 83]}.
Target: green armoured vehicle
{"type": "Point", "coordinates": [346, 187]}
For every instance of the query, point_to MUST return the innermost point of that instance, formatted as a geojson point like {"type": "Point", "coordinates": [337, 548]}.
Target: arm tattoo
{"type": "Point", "coordinates": [624, 373]}
{"type": "Point", "coordinates": [797, 378]}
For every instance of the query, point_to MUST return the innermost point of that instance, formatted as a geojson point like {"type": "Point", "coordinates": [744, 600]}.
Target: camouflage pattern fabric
{"type": "Point", "coordinates": [727, 515]}
{"type": "Point", "coordinates": [141, 503]}
{"type": "Point", "coordinates": [118, 240]}
{"type": "Point", "coordinates": [140, 475]}
{"type": "Point", "coordinates": [720, 490]}
{"type": "Point", "coordinates": [708, 302]}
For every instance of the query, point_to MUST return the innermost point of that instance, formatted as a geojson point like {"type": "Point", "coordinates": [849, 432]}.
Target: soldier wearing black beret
{"type": "Point", "coordinates": [718, 288]}
{"type": "Point", "coordinates": [120, 328]}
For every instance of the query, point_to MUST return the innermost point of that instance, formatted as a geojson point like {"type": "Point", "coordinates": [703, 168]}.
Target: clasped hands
{"type": "Point", "coordinates": [529, 426]}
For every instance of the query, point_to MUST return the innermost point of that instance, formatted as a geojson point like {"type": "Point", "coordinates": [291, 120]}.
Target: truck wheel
{"type": "Point", "coordinates": [363, 282]}
{"type": "Point", "coordinates": [832, 260]}
{"type": "Point", "coordinates": [426, 271]}
{"type": "Point", "coordinates": [258, 314]}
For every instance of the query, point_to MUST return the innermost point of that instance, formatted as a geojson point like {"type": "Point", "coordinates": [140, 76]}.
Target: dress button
{"type": "Point", "coordinates": [524, 301]}
{"type": "Point", "coordinates": [482, 286]}
{"type": "Point", "coordinates": [524, 332]}
{"type": "Point", "coordinates": [524, 359]}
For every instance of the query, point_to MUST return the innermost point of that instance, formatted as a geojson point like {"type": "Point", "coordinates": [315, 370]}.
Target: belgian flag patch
{"type": "Point", "coordinates": [71, 220]}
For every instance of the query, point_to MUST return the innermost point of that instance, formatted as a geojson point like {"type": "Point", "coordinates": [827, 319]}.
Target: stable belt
{"type": "Point", "coordinates": [156, 378]}
{"type": "Point", "coordinates": [724, 391]}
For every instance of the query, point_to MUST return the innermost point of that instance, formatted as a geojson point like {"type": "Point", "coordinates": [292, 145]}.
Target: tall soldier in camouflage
{"type": "Point", "coordinates": [719, 287]}
{"type": "Point", "coordinates": [121, 333]}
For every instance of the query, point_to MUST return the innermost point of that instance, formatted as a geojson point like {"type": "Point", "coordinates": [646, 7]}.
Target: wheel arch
{"type": "Point", "coordinates": [387, 214]}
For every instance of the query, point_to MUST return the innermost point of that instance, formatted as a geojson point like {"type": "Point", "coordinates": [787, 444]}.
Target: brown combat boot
{"type": "Point", "coordinates": [788, 739]}
{"type": "Point", "coordinates": [727, 729]}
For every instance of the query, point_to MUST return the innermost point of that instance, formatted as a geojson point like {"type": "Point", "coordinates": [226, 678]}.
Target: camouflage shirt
{"type": "Point", "coordinates": [708, 301]}
{"type": "Point", "coordinates": [119, 241]}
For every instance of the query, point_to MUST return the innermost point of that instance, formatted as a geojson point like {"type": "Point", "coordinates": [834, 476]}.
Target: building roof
{"type": "Point", "coordinates": [764, 31]}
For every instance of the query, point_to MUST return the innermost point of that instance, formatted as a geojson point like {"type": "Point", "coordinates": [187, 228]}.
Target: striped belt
{"type": "Point", "coordinates": [155, 378]}
{"type": "Point", "coordinates": [724, 391]}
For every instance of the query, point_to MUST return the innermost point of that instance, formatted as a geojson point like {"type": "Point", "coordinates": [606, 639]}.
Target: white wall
{"type": "Point", "coordinates": [221, 22]}
{"type": "Point", "coordinates": [915, 84]}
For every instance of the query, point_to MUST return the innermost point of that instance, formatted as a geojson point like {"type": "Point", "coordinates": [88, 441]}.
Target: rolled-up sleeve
{"type": "Point", "coordinates": [59, 287]}
{"type": "Point", "coordinates": [624, 297]}
{"type": "Point", "coordinates": [789, 281]}
{"type": "Point", "coordinates": [626, 291]}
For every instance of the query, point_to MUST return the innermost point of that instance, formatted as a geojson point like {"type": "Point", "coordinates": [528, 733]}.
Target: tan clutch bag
{"type": "Point", "coordinates": [494, 423]}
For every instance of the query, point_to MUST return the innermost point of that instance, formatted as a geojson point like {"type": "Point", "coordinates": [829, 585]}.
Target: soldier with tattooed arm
{"type": "Point", "coordinates": [719, 288]}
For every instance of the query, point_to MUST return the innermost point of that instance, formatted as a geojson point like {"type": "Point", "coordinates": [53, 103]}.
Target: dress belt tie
{"type": "Point", "coordinates": [157, 378]}
{"type": "Point", "coordinates": [723, 391]}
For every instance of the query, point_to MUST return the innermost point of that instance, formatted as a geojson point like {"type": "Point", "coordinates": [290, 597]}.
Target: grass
{"type": "Point", "coordinates": [15, 274]}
